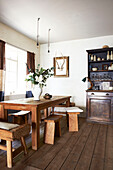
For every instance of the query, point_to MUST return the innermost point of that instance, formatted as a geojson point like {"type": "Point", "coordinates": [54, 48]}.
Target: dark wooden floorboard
{"type": "Point", "coordinates": [91, 148]}
{"type": "Point", "coordinates": [46, 159]}
{"type": "Point", "coordinates": [87, 152]}
{"type": "Point", "coordinates": [31, 168]}
{"type": "Point", "coordinates": [83, 150]}
{"type": "Point", "coordinates": [108, 163]}
{"type": "Point", "coordinates": [67, 148]}
{"type": "Point", "coordinates": [99, 152]}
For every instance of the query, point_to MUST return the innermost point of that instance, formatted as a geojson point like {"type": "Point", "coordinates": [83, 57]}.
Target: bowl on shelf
{"type": "Point", "coordinates": [110, 88]}
{"type": "Point", "coordinates": [105, 46]}
{"type": "Point", "coordinates": [94, 69]}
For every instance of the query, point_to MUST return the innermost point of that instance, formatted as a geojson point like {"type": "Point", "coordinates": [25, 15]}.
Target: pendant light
{"type": "Point", "coordinates": [38, 32]}
{"type": "Point", "coordinates": [49, 40]}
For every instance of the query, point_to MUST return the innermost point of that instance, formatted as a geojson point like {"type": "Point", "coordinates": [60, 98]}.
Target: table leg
{"type": "Point", "coordinates": [46, 112]}
{"type": "Point", "coordinates": [1, 109]}
{"type": "Point", "coordinates": [3, 113]}
{"type": "Point", "coordinates": [68, 102]}
{"type": "Point", "coordinates": [52, 110]}
{"type": "Point", "coordinates": [67, 116]}
{"type": "Point", "coordinates": [35, 128]}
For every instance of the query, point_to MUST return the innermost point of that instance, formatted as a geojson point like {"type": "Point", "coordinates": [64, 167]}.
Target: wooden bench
{"type": "Point", "coordinates": [11, 132]}
{"type": "Point", "coordinates": [73, 113]}
{"type": "Point", "coordinates": [72, 120]}
{"type": "Point", "coordinates": [20, 117]}
{"type": "Point", "coordinates": [61, 109]}
{"type": "Point", "coordinates": [52, 127]}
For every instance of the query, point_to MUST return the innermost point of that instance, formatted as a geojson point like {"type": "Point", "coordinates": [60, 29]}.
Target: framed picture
{"type": "Point", "coordinates": [104, 67]}
{"type": "Point", "coordinates": [61, 65]}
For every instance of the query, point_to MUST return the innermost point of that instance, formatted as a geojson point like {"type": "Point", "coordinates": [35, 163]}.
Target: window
{"type": "Point", "coordinates": [15, 70]}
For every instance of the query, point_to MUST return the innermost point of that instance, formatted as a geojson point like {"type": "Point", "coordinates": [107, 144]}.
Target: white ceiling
{"type": "Point", "coordinates": [67, 19]}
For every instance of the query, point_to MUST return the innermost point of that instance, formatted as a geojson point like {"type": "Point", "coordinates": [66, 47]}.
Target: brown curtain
{"type": "Point", "coordinates": [31, 65]}
{"type": "Point", "coordinates": [30, 61]}
{"type": "Point", "coordinates": [2, 55]}
{"type": "Point", "coordinates": [2, 69]}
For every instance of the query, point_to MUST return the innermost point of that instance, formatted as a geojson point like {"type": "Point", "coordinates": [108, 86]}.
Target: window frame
{"type": "Point", "coordinates": [17, 91]}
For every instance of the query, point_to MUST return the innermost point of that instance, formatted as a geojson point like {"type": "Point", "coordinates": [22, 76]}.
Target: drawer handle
{"type": "Point", "coordinates": [92, 93]}
{"type": "Point", "coordinates": [107, 94]}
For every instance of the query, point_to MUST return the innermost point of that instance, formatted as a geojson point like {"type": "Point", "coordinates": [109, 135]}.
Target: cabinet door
{"type": "Point", "coordinates": [99, 108]}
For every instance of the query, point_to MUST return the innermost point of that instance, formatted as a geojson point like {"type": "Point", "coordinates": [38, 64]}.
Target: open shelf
{"type": "Point", "coordinates": [101, 71]}
{"type": "Point", "coordinates": [101, 61]}
{"type": "Point", "coordinates": [101, 80]}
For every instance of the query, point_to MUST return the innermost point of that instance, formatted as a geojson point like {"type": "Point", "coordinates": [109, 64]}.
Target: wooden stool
{"type": "Point", "coordinates": [10, 132]}
{"type": "Point", "coordinates": [52, 126]}
{"type": "Point", "coordinates": [20, 117]}
{"type": "Point", "coordinates": [73, 118]}
{"type": "Point", "coordinates": [61, 109]}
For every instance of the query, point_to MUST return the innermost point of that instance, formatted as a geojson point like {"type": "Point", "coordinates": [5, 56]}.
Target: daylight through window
{"type": "Point", "coordinates": [15, 70]}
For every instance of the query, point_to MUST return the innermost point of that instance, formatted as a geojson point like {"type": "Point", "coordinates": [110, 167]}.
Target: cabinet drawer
{"type": "Point", "coordinates": [100, 108]}
{"type": "Point", "coordinates": [100, 94]}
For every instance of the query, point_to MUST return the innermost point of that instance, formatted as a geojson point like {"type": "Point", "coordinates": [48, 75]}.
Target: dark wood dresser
{"type": "Point", "coordinates": [99, 106]}
{"type": "Point", "coordinates": [100, 95]}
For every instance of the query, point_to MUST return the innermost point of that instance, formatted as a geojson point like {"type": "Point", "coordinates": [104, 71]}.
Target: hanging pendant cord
{"type": "Point", "coordinates": [49, 40]}
{"type": "Point", "coordinates": [38, 31]}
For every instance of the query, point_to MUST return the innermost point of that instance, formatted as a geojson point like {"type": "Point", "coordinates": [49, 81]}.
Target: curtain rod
{"type": "Point", "coordinates": [18, 47]}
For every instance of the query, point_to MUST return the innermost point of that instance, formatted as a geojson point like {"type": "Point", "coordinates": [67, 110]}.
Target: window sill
{"type": "Point", "coordinates": [14, 96]}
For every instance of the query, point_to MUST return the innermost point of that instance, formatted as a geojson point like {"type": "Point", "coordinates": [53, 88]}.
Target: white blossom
{"type": "Point", "coordinates": [40, 78]}
{"type": "Point", "coordinates": [37, 78]}
{"type": "Point", "coordinates": [30, 74]}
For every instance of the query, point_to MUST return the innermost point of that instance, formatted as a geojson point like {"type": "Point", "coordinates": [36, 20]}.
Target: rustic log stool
{"type": "Point", "coordinates": [11, 132]}
{"type": "Point", "coordinates": [73, 113]}
{"type": "Point", "coordinates": [52, 127]}
{"type": "Point", "coordinates": [20, 117]}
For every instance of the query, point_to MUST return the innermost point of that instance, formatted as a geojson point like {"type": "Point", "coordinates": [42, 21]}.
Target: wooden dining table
{"type": "Point", "coordinates": [35, 107]}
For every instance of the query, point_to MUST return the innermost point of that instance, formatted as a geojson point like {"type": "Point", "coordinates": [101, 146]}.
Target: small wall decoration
{"type": "Point", "coordinates": [61, 65]}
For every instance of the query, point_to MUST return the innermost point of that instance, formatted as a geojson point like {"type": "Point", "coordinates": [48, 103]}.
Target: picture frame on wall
{"type": "Point", "coordinates": [61, 65]}
{"type": "Point", "coordinates": [104, 66]}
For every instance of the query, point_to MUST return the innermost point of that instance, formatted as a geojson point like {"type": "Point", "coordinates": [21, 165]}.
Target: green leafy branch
{"type": "Point", "coordinates": [40, 75]}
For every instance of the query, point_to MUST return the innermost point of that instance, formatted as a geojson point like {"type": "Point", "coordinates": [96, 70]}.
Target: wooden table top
{"type": "Point", "coordinates": [31, 101]}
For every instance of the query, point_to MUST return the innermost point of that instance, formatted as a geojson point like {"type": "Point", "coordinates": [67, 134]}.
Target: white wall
{"type": "Point", "coordinates": [19, 40]}
{"type": "Point", "coordinates": [76, 50]}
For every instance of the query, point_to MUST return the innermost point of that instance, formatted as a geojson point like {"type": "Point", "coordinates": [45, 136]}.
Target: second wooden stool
{"type": "Point", "coordinates": [52, 127]}
{"type": "Point", "coordinates": [73, 113]}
